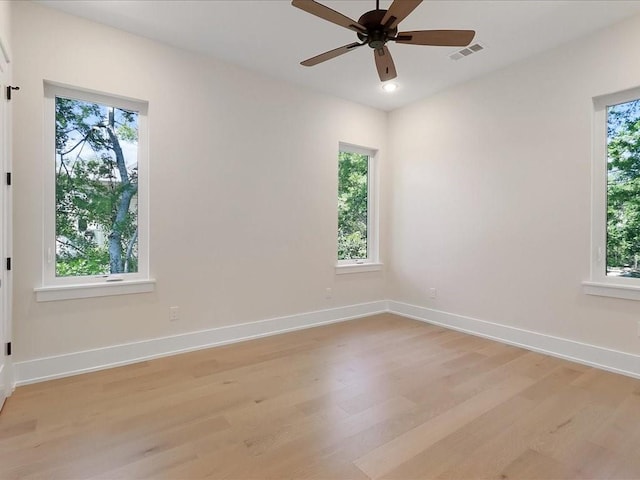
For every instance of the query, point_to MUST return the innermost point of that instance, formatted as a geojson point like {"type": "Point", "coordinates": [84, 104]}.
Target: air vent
{"type": "Point", "coordinates": [466, 51]}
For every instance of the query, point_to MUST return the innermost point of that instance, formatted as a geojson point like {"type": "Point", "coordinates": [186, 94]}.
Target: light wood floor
{"type": "Point", "coordinates": [380, 397]}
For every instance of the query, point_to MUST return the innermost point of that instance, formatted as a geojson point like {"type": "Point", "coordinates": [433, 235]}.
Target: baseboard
{"type": "Point", "coordinates": [41, 369]}
{"type": "Point", "coordinates": [50, 368]}
{"type": "Point", "coordinates": [592, 355]}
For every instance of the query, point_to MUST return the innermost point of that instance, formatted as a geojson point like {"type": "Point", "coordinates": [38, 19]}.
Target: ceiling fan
{"type": "Point", "coordinates": [377, 27]}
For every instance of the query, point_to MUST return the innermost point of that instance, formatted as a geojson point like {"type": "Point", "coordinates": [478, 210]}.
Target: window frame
{"type": "Point", "coordinates": [372, 262]}
{"type": "Point", "coordinates": [60, 288]}
{"type": "Point", "coordinates": [599, 282]}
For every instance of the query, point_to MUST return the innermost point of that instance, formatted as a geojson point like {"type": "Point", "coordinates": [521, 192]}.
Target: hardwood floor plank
{"type": "Point", "coordinates": [377, 397]}
{"type": "Point", "coordinates": [383, 459]}
{"type": "Point", "coordinates": [533, 465]}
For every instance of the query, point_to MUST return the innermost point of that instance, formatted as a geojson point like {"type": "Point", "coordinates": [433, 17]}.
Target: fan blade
{"type": "Point", "coordinates": [326, 13]}
{"type": "Point", "coordinates": [398, 11]}
{"type": "Point", "coordinates": [336, 52]}
{"type": "Point", "coordinates": [384, 63]}
{"type": "Point", "coordinates": [439, 38]}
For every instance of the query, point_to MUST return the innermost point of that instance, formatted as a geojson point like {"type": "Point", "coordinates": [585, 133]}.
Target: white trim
{"type": "Point", "coordinates": [359, 149]}
{"type": "Point", "coordinates": [70, 292]}
{"type": "Point", "coordinates": [373, 188]}
{"type": "Point", "coordinates": [592, 355]}
{"type": "Point", "coordinates": [373, 195]}
{"type": "Point", "coordinates": [53, 89]}
{"type": "Point", "coordinates": [603, 101]}
{"type": "Point", "coordinates": [599, 282]}
{"type": "Point", "coordinates": [342, 269]}
{"type": "Point", "coordinates": [5, 386]}
{"type": "Point", "coordinates": [49, 368]}
{"type": "Point", "coordinates": [599, 194]}
{"type": "Point", "coordinates": [6, 223]}
{"type": "Point", "coordinates": [628, 292]}
{"type": "Point", "coordinates": [49, 278]}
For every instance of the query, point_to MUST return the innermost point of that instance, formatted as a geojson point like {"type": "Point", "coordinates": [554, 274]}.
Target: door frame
{"type": "Point", "coordinates": [6, 224]}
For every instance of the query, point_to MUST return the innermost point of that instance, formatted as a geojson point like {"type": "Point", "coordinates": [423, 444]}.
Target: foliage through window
{"type": "Point", "coordinates": [623, 189]}
{"type": "Point", "coordinates": [354, 212]}
{"type": "Point", "coordinates": [97, 218]}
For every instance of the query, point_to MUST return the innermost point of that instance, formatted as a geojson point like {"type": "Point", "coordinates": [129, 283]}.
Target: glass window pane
{"type": "Point", "coordinates": [96, 189]}
{"type": "Point", "coordinates": [623, 189]}
{"type": "Point", "coordinates": [353, 194]}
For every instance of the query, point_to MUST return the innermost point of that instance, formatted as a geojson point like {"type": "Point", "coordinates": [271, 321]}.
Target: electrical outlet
{"type": "Point", "coordinates": [328, 293]}
{"type": "Point", "coordinates": [174, 314]}
{"type": "Point", "coordinates": [433, 293]}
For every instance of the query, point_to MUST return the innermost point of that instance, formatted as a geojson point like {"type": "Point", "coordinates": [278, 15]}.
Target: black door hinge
{"type": "Point", "coordinates": [9, 90]}
{"type": "Point", "coordinates": [9, 263]}
{"type": "Point", "coordinates": [8, 349]}
{"type": "Point", "coordinates": [8, 178]}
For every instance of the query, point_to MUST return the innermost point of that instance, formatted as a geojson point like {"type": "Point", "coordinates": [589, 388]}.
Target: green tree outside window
{"type": "Point", "coordinates": [623, 189]}
{"type": "Point", "coordinates": [353, 174]}
{"type": "Point", "coordinates": [96, 189]}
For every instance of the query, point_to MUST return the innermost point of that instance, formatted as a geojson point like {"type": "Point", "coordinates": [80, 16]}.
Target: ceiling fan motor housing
{"type": "Point", "coordinates": [376, 35]}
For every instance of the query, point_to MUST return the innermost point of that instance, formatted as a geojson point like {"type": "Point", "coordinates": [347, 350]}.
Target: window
{"type": "Point", "coordinates": [95, 194]}
{"type": "Point", "coordinates": [615, 265]}
{"type": "Point", "coordinates": [357, 222]}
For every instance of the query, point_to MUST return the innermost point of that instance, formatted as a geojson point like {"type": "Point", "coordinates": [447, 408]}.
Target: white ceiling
{"type": "Point", "coordinates": [272, 37]}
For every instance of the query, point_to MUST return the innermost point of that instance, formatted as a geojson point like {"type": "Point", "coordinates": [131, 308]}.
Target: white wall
{"type": "Point", "coordinates": [491, 194]}
{"type": "Point", "coordinates": [5, 23]}
{"type": "Point", "coordinates": [243, 188]}
{"type": "Point", "coordinates": [486, 191]}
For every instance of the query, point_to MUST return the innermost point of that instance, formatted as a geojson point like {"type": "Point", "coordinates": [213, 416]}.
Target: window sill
{"type": "Point", "coordinates": [358, 268]}
{"type": "Point", "coordinates": [71, 292]}
{"type": "Point", "coordinates": [628, 292]}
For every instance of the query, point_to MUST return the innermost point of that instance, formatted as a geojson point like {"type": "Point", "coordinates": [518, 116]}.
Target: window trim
{"type": "Point", "coordinates": [90, 290]}
{"type": "Point", "coordinates": [81, 286]}
{"type": "Point", "coordinates": [372, 262]}
{"type": "Point", "coordinates": [599, 283]}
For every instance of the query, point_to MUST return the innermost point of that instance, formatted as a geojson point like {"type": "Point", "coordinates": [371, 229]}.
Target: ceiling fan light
{"type": "Point", "coordinates": [390, 87]}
